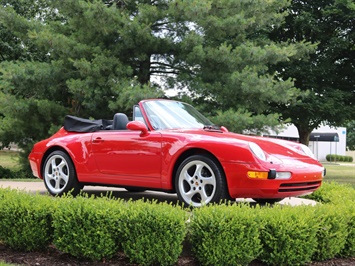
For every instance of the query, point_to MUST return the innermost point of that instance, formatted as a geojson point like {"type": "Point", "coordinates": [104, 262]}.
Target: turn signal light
{"type": "Point", "coordinates": [258, 175]}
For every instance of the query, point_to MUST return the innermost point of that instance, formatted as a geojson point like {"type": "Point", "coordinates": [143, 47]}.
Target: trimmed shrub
{"type": "Point", "coordinates": [6, 173]}
{"type": "Point", "coordinates": [25, 220]}
{"type": "Point", "coordinates": [349, 247]}
{"type": "Point", "coordinates": [332, 192]}
{"type": "Point", "coordinates": [226, 235]}
{"type": "Point", "coordinates": [338, 158]}
{"type": "Point", "coordinates": [349, 159]}
{"type": "Point", "coordinates": [88, 227]}
{"type": "Point", "coordinates": [153, 233]}
{"type": "Point", "coordinates": [332, 232]}
{"type": "Point", "coordinates": [289, 236]}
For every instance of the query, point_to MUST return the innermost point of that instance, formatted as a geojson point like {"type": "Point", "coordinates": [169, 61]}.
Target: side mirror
{"type": "Point", "coordinates": [224, 129]}
{"type": "Point", "coordinates": [138, 126]}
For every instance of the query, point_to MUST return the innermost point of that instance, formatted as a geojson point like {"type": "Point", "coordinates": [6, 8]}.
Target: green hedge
{"type": "Point", "coordinates": [289, 236]}
{"type": "Point", "coordinates": [7, 173]}
{"type": "Point", "coordinates": [349, 247]}
{"type": "Point", "coordinates": [332, 232]}
{"type": "Point", "coordinates": [87, 227]}
{"type": "Point", "coordinates": [338, 158]}
{"type": "Point", "coordinates": [151, 233]}
{"type": "Point", "coordinates": [26, 220]}
{"type": "Point", "coordinates": [332, 192]}
{"type": "Point", "coordinates": [226, 235]}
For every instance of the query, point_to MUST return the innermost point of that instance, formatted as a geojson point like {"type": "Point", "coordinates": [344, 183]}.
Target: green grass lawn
{"type": "Point", "coordinates": [6, 264]}
{"type": "Point", "coordinates": [9, 159]}
{"type": "Point", "coordinates": [341, 173]}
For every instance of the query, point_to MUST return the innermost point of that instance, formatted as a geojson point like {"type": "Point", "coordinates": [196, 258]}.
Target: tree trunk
{"type": "Point", "coordinates": [304, 133]}
{"type": "Point", "coordinates": [144, 72]}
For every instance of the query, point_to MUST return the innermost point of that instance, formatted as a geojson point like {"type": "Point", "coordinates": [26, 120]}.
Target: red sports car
{"type": "Point", "coordinates": [169, 146]}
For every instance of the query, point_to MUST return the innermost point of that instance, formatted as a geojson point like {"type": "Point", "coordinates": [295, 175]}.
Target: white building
{"type": "Point", "coordinates": [323, 140]}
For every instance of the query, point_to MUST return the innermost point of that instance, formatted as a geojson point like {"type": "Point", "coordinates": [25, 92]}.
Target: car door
{"type": "Point", "coordinates": [128, 157]}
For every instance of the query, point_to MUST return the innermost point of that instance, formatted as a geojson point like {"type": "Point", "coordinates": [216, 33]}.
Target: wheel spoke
{"type": "Point", "coordinates": [198, 171]}
{"type": "Point", "coordinates": [187, 177]}
{"type": "Point", "coordinates": [204, 197]}
{"type": "Point", "coordinates": [54, 165]}
{"type": "Point", "coordinates": [62, 174]}
{"type": "Point", "coordinates": [57, 184]}
{"type": "Point", "coordinates": [190, 194]}
{"type": "Point", "coordinates": [62, 164]}
{"type": "Point", "coordinates": [50, 176]}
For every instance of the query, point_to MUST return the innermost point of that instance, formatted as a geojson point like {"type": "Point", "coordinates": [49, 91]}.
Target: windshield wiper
{"type": "Point", "coordinates": [212, 127]}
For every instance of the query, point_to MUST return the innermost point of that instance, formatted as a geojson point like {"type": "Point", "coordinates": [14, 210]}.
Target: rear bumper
{"type": "Point", "coordinates": [35, 163]}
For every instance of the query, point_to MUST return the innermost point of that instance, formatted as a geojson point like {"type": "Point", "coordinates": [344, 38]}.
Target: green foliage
{"type": "Point", "coordinates": [13, 45]}
{"type": "Point", "coordinates": [336, 232]}
{"type": "Point", "coordinates": [88, 228]}
{"type": "Point", "coordinates": [332, 232]}
{"type": "Point", "coordinates": [289, 236]}
{"type": "Point", "coordinates": [350, 137]}
{"type": "Point", "coordinates": [349, 247]}
{"type": "Point", "coordinates": [331, 192]}
{"type": "Point", "coordinates": [326, 74]}
{"type": "Point", "coordinates": [153, 233]}
{"type": "Point", "coordinates": [131, 94]}
{"type": "Point", "coordinates": [25, 220]}
{"type": "Point", "coordinates": [6, 173]}
{"type": "Point", "coordinates": [91, 58]}
{"type": "Point", "coordinates": [242, 121]}
{"type": "Point", "coordinates": [226, 235]}
{"type": "Point", "coordinates": [338, 158]}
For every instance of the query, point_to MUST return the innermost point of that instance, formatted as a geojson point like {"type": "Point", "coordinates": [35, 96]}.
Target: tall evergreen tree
{"type": "Point", "coordinates": [94, 57]}
{"type": "Point", "coordinates": [328, 75]}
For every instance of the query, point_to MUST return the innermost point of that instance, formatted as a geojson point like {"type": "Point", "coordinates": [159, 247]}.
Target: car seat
{"type": "Point", "coordinates": [120, 121]}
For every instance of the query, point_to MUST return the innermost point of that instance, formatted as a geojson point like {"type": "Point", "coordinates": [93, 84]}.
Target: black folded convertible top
{"type": "Point", "coordinates": [77, 124]}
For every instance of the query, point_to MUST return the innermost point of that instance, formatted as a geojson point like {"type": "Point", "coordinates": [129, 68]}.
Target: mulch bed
{"type": "Point", "coordinates": [53, 257]}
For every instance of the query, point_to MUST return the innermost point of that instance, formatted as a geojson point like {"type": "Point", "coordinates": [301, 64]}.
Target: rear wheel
{"type": "Point", "coordinates": [59, 175]}
{"type": "Point", "coordinates": [199, 181]}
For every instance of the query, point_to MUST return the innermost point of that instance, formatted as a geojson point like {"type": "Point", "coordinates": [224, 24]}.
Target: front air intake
{"type": "Point", "coordinates": [304, 186]}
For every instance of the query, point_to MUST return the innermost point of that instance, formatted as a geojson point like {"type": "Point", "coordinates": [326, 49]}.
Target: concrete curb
{"type": "Point", "coordinates": [39, 187]}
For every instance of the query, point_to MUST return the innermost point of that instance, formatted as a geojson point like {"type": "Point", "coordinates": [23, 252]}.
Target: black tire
{"type": "Point", "coordinates": [199, 180]}
{"type": "Point", "coordinates": [267, 201]}
{"type": "Point", "coordinates": [59, 175]}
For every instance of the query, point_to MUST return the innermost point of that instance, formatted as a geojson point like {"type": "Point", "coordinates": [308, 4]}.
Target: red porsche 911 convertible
{"type": "Point", "coordinates": [169, 146]}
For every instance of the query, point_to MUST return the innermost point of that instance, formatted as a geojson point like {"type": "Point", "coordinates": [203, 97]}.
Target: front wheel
{"type": "Point", "coordinates": [199, 181]}
{"type": "Point", "coordinates": [59, 175]}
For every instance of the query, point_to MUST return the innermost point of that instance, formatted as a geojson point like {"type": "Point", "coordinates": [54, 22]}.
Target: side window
{"type": "Point", "coordinates": [137, 114]}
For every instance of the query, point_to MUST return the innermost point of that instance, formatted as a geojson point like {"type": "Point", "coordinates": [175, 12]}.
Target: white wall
{"type": "Point", "coordinates": [321, 149]}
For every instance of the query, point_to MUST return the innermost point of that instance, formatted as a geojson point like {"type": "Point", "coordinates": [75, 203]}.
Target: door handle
{"type": "Point", "coordinates": [98, 140]}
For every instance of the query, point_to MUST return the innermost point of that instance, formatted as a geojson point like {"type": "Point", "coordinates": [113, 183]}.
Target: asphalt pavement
{"type": "Point", "coordinates": [39, 187]}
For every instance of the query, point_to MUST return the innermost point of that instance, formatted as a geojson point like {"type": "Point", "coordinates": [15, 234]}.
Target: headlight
{"type": "Point", "coordinates": [258, 152]}
{"type": "Point", "coordinates": [307, 151]}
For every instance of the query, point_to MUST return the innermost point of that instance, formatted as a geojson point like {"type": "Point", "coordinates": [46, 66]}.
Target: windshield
{"type": "Point", "coordinates": [164, 114]}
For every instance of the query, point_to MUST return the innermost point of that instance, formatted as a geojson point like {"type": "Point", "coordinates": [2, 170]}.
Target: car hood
{"type": "Point", "coordinates": [277, 150]}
